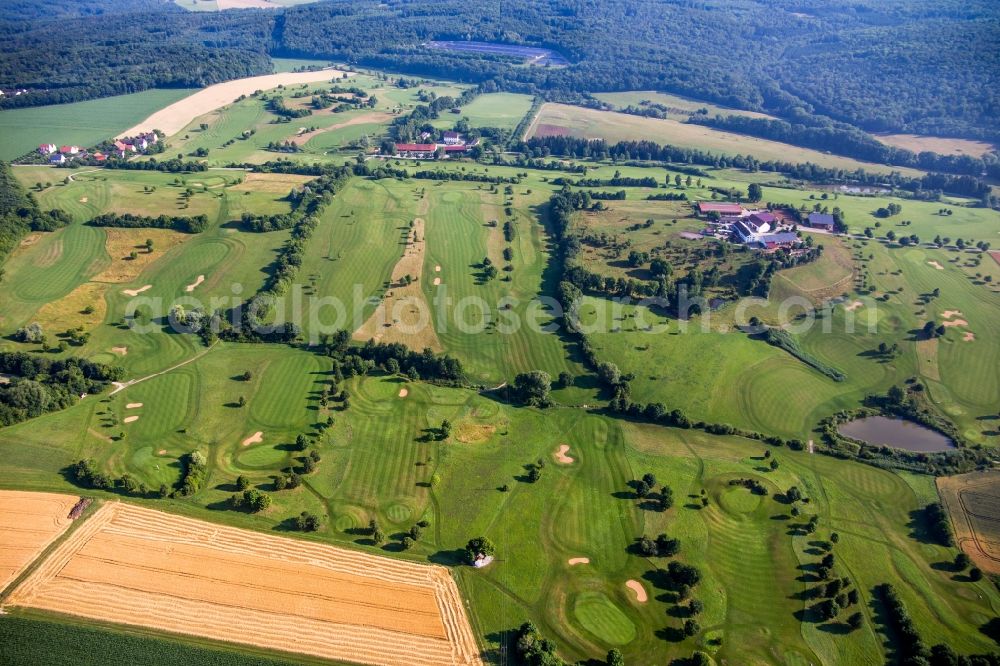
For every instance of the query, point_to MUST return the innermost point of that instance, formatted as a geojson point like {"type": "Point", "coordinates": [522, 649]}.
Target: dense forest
{"type": "Point", "coordinates": [113, 48]}
{"type": "Point", "coordinates": [925, 66]}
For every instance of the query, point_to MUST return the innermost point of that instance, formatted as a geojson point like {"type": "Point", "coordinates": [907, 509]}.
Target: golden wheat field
{"type": "Point", "coordinates": [143, 567]}
{"type": "Point", "coordinates": [28, 523]}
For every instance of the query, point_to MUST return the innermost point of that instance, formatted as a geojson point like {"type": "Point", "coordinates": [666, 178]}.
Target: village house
{"type": "Point", "coordinates": [453, 139]}
{"type": "Point", "coordinates": [69, 150]}
{"type": "Point", "coordinates": [57, 158]}
{"type": "Point", "coordinates": [761, 222]}
{"type": "Point", "coordinates": [47, 148]}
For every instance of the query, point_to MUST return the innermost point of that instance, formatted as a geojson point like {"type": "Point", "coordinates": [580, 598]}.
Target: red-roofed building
{"type": "Point", "coordinates": [47, 148]}
{"type": "Point", "coordinates": [706, 207]}
{"type": "Point", "coordinates": [69, 150]}
{"type": "Point", "coordinates": [455, 149]}
{"type": "Point", "coordinates": [415, 149]}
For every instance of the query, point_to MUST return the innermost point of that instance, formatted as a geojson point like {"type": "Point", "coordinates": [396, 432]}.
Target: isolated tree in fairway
{"type": "Point", "coordinates": [691, 627]}
{"type": "Point", "coordinates": [242, 482]}
{"type": "Point", "coordinates": [666, 498]}
{"type": "Point", "coordinates": [855, 621]}
{"type": "Point", "coordinates": [479, 546]}
{"type": "Point", "coordinates": [307, 522]}
{"type": "Point", "coordinates": [445, 429]}
{"type": "Point", "coordinates": [615, 658]}
{"type": "Point", "coordinates": [754, 193]}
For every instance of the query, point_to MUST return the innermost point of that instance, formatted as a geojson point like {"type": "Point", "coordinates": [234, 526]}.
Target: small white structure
{"type": "Point", "coordinates": [482, 560]}
{"type": "Point", "coordinates": [453, 139]}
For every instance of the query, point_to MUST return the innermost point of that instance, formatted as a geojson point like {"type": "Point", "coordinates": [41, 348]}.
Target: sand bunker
{"type": "Point", "coordinates": [194, 285]}
{"type": "Point", "coordinates": [83, 199]}
{"type": "Point", "coordinates": [172, 119]}
{"type": "Point", "coordinates": [133, 405]}
{"type": "Point", "coordinates": [573, 561]}
{"type": "Point", "coordinates": [437, 281]}
{"type": "Point", "coordinates": [255, 438]}
{"type": "Point", "coordinates": [120, 350]}
{"type": "Point", "coordinates": [151, 569]}
{"type": "Point", "coordinates": [437, 269]}
{"type": "Point", "coordinates": [136, 292]}
{"type": "Point", "coordinates": [130, 419]}
{"type": "Point", "coordinates": [403, 393]}
{"type": "Point", "coordinates": [561, 456]}
{"type": "Point", "coordinates": [161, 452]}
{"type": "Point", "coordinates": [640, 591]}
{"type": "Point", "coordinates": [969, 336]}
{"type": "Point", "coordinates": [936, 265]}
{"type": "Point", "coordinates": [853, 306]}
{"type": "Point", "coordinates": [948, 314]}
{"type": "Point", "coordinates": [954, 322]}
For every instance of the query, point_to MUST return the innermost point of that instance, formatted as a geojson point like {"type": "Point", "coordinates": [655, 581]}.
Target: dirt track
{"type": "Point", "coordinates": [143, 567]}
{"type": "Point", "coordinates": [28, 523]}
{"type": "Point", "coordinates": [174, 118]}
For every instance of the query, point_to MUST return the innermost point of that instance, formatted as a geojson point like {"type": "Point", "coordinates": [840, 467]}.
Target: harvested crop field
{"type": "Point", "coordinates": [28, 523]}
{"type": "Point", "coordinates": [941, 145]}
{"type": "Point", "coordinates": [973, 502]}
{"type": "Point", "coordinates": [173, 118]}
{"type": "Point", "coordinates": [152, 569]}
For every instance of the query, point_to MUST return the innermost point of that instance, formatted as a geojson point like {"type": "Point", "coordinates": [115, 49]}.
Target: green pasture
{"type": "Point", "coordinates": [679, 108]}
{"type": "Point", "coordinates": [79, 123]}
{"type": "Point", "coordinates": [496, 342]}
{"type": "Point", "coordinates": [233, 262]}
{"type": "Point", "coordinates": [614, 126]}
{"type": "Point", "coordinates": [291, 64]}
{"type": "Point", "coordinates": [382, 460]}
{"type": "Point", "coordinates": [356, 245]}
{"type": "Point", "coordinates": [490, 110]}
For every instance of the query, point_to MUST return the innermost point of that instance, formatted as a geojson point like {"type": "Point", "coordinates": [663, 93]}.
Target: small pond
{"type": "Point", "coordinates": [897, 433]}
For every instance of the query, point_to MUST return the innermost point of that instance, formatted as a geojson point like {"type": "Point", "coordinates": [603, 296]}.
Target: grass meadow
{"type": "Point", "coordinates": [678, 108]}
{"type": "Point", "coordinates": [381, 460]}
{"type": "Point", "coordinates": [563, 119]}
{"type": "Point", "coordinates": [79, 123]}
{"type": "Point", "coordinates": [490, 110]}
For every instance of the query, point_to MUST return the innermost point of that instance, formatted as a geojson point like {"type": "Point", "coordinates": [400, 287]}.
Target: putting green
{"type": "Point", "coordinates": [601, 617]}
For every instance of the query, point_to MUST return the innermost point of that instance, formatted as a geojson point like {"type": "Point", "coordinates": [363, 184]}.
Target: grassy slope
{"type": "Point", "coordinates": [43, 276]}
{"type": "Point", "coordinates": [377, 463]}
{"type": "Point", "coordinates": [80, 123]}
{"type": "Point", "coordinates": [614, 126]}
{"type": "Point", "coordinates": [491, 110]}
